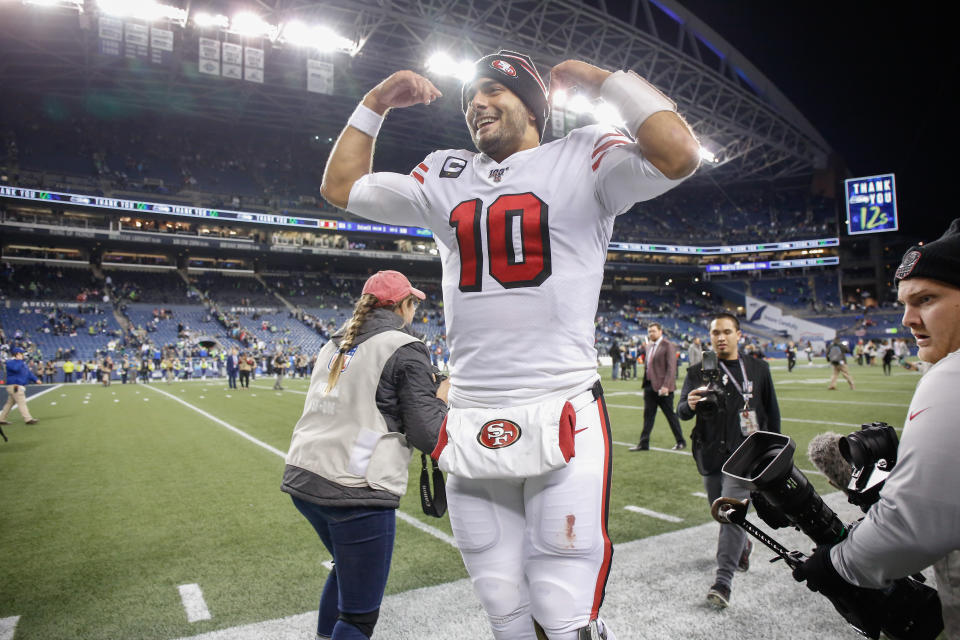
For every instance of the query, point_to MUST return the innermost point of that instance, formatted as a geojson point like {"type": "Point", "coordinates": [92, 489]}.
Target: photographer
{"type": "Point", "coordinates": [739, 401]}
{"type": "Point", "coordinates": [916, 522]}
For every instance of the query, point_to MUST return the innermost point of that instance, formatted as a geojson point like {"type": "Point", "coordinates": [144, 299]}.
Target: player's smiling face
{"type": "Point", "coordinates": [931, 310]}
{"type": "Point", "coordinates": [497, 119]}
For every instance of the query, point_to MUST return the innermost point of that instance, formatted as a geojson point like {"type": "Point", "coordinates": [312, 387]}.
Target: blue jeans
{"type": "Point", "coordinates": [360, 539]}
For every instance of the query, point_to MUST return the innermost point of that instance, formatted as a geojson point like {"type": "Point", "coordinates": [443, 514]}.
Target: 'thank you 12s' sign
{"type": "Point", "coordinates": [871, 204]}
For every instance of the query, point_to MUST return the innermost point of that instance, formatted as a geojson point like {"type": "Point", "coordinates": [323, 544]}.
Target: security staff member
{"type": "Point", "coordinates": [751, 405]}
{"type": "Point", "coordinates": [916, 522]}
{"type": "Point", "coordinates": [18, 376]}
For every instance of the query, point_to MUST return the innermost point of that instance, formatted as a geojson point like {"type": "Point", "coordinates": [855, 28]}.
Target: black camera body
{"type": "Point", "coordinates": [713, 400]}
{"type": "Point", "coordinates": [872, 454]}
{"type": "Point", "coordinates": [782, 496]}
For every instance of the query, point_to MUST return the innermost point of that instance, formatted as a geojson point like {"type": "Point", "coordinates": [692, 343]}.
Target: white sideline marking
{"type": "Point", "coordinates": [257, 386]}
{"type": "Point", "coordinates": [193, 602]}
{"type": "Point", "coordinates": [628, 444]}
{"type": "Point", "coordinates": [436, 533]}
{"type": "Point", "coordinates": [226, 425]}
{"type": "Point", "coordinates": [865, 404]}
{"type": "Point", "coordinates": [653, 514]}
{"type": "Point", "coordinates": [698, 494]}
{"type": "Point", "coordinates": [37, 395]}
{"type": "Point", "coordinates": [8, 626]}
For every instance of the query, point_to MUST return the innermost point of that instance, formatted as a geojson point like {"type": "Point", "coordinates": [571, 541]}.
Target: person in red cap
{"type": "Point", "coordinates": [522, 226]}
{"type": "Point", "coordinates": [372, 397]}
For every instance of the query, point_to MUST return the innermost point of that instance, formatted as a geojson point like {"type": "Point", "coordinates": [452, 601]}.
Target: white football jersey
{"type": "Point", "coordinates": [523, 244]}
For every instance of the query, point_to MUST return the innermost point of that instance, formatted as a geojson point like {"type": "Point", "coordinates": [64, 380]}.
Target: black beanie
{"type": "Point", "coordinates": [518, 73]}
{"type": "Point", "coordinates": [937, 260]}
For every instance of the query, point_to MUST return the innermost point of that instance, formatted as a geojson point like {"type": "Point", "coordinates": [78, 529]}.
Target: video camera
{"type": "Point", "coordinates": [713, 400]}
{"type": "Point", "coordinates": [782, 495]}
{"type": "Point", "coordinates": [872, 453]}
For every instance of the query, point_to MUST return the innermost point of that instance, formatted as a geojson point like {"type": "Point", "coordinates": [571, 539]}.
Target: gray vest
{"type": "Point", "coordinates": [342, 436]}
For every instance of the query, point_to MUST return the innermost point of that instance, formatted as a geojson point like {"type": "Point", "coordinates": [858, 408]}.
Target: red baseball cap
{"type": "Point", "coordinates": [391, 287]}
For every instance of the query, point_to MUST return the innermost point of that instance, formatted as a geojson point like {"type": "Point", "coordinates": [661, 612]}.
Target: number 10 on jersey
{"type": "Point", "coordinates": [518, 241]}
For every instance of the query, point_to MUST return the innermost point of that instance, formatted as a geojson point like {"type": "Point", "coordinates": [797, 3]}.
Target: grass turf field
{"type": "Point", "coordinates": [122, 494]}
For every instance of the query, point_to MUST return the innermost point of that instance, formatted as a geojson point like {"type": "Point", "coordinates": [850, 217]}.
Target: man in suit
{"type": "Point", "coordinates": [233, 366]}
{"type": "Point", "coordinates": [659, 383]}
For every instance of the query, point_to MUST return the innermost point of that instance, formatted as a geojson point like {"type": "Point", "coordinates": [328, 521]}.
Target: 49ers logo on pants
{"type": "Point", "coordinates": [497, 434]}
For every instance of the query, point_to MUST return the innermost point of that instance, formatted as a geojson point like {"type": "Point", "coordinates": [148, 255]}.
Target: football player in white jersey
{"type": "Point", "coordinates": [522, 229]}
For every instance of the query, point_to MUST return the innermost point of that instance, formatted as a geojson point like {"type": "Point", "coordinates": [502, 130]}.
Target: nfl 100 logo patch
{"type": "Point", "coordinates": [347, 357]}
{"type": "Point", "coordinates": [497, 174]}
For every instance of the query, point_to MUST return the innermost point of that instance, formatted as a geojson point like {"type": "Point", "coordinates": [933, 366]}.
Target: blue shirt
{"type": "Point", "coordinates": [18, 373]}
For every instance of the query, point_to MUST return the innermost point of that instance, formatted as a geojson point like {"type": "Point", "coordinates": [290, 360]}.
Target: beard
{"type": "Point", "coordinates": [510, 129]}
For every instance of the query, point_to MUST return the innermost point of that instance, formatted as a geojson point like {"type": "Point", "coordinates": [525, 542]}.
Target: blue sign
{"type": "Point", "coordinates": [871, 204]}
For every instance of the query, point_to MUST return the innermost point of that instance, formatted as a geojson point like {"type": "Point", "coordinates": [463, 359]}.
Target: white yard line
{"type": "Point", "coordinates": [193, 603]}
{"type": "Point", "coordinates": [226, 425]}
{"type": "Point", "coordinates": [37, 395]}
{"type": "Point", "coordinates": [8, 626]}
{"type": "Point", "coordinates": [433, 531]}
{"type": "Point", "coordinates": [864, 404]}
{"type": "Point", "coordinates": [629, 444]}
{"type": "Point", "coordinates": [653, 514]}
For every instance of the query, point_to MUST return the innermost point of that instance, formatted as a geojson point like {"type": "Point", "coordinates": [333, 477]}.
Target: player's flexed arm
{"type": "Point", "coordinates": [662, 136]}
{"type": "Point", "coordinates": [352, 155]}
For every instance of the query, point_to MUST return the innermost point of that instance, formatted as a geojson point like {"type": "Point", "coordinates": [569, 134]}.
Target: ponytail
{"type": "Point", "coordinates": [364, 305]}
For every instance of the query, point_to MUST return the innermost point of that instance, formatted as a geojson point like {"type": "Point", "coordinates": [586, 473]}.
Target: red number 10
{"type": "Point", "coordinates": [530, 268]}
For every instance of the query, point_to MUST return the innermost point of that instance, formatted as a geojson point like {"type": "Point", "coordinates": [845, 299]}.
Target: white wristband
{"type": "Point", "coordinates": [635, 98]}
{"type": "Point", "coordinates": [366, 120]}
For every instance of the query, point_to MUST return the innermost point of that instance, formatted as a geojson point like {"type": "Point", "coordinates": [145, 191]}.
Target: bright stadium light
{"type": "Point", "coordinates": [708, 155]}
{"type": "Point", "coordinates": [205, 20]}
{"type": "Point", "coordinates": [579, 103]}
{"type": "Point", "coordinates": [443, 64]}
{"type": "Point", "coordinates": [607, 114]}
{"type": "Point", "coordinates": [559, 97]}
{"type": "Point", "coordinates": [252, 25]}
{"type": "Point", "coordinates": [65, 4]}
{"type": "Point", "coordinates": [149, 10]}
{"type": "Point", "coordinates": [320, 37]}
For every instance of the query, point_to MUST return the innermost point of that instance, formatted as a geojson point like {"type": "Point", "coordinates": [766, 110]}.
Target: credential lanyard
{"type": "Point", "coordinates": [747, 390]}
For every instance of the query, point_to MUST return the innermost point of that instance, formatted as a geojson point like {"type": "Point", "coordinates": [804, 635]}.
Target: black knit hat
{"type": "Point", "coordinates": [518, 73]}
{"type": "Point", "coordinates": [937, 260]}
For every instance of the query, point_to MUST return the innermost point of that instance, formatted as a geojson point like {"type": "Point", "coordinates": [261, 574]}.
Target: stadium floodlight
{"type": "Point", "coordinates": [320, 37]}
{"type": "Point", "coordinates": [77, 5]}
{"type": "Point", "coordinates": [206, 20]}
{"type": "Point", "coordinates": [559, 98]}
{"type": "Point", "coordinates": [607, 114]}
{"type": "Point", "coordinates": [149, 10]}
{"type": "Point", "coordinates": [579, 103]}
{"type": "Point", "coordinates": [443, 64]}
{"type": "Point", "coordinates": [253, 26]}
{"type": "Point", "coordinates": [708, 155]}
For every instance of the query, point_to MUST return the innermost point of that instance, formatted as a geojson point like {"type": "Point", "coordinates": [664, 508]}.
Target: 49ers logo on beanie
{"type": "Point", "coordinates": [504, 67]}
{"type": "Point", "coordinates": [910, 260]}
{"type": "Point", "coordinates": [937, 260]}
{"type": "Point", "coordinates": [499, 433]}
{"type": "Point", "coordinates": [517, 73]}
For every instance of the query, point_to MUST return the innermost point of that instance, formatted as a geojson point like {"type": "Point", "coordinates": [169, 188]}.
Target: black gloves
{"type": "Point", "coordinates": [820, 575]}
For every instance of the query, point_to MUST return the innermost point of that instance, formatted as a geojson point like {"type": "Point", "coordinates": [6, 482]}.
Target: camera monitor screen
{"type": "Point", "coordinates": [871, 204]}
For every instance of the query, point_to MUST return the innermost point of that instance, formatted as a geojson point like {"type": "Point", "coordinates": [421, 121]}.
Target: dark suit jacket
{"type": "Point", "coordinates": [663, 366]}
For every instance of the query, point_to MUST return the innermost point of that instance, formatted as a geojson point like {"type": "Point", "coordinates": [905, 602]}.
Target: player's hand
{"type": "Point", "coordinates": [443, 389]}
{"type": "Point", "coordinates": [695, 396]}
{"type": "Point", "coordinates": [575, 73]}
{"type": "Point", "coordinates": [401, 89]}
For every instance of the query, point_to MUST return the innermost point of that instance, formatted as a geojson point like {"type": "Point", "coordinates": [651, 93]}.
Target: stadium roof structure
{"type": "Point", "coordinates": [752, 129]}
